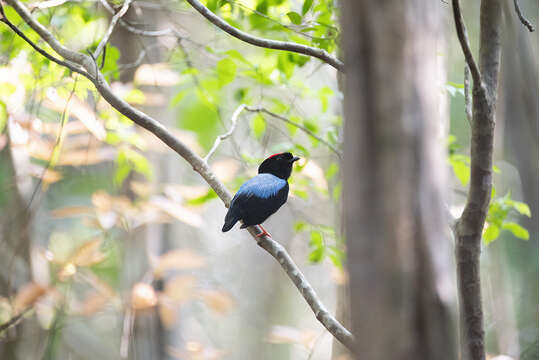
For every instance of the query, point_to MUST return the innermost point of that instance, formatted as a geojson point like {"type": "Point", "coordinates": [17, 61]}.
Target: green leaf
{"type": "Point", "coordinates": [226, 70]}
{"type": "Point", "coordinates": [203, 199]}
{"type": "Point", "coordinates": [460, 168]}
{"type": "Point", "coordinates": [306, 6]}
{"type": "Point", "coordinates": [317, 255]}
{"type": "Point", "coordinates": [316, 239]}
{"type": "Point", "coordinates": [258, 125]}
{"type": "Point", "coordinates": [3, 116]}
{"type": "Point", "coordinates": [332, 170]}
{"type": "Point", "coordinates": [299, 226]}
{"type": "Point", "coordinates": [491, 233]}
{"type": "Point", "coordinates": [294, 17]}
{"type": "Point", "coordinates": [178, 97]}
{"type": "Point", "coordinates": [517, 230]}
{"type": "Point", "coordinates": [522, 208]}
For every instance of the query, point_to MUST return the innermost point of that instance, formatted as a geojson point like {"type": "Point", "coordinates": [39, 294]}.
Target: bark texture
{"type": "Point", "coordinates": [393, 179]}
{"type": "Point", "coordinates": [469, 227]}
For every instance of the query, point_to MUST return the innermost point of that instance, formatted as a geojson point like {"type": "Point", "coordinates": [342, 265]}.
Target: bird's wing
{"type": "Point", "coordinates": [262, 186]}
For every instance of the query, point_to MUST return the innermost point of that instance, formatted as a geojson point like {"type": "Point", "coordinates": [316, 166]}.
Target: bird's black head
{"type": "Point", "coordinates": [279, 165]}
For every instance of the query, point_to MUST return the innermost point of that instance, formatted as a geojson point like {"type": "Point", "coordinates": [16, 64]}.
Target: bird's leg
{"type": "Point", "coordinates": [263, 233]}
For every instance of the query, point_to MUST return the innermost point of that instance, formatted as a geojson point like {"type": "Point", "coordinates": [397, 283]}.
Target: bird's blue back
{"type": "Point", "coordinates": [263, 186]}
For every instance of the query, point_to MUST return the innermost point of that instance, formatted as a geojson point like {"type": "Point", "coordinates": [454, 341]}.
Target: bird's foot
{"type": "Point", "coordinates": [263, 233]}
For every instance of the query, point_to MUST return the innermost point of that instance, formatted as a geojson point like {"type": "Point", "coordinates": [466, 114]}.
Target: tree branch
{"type": "Point", "coordinates": [198, 164]}
{"type": "Point", "coordinates": [465, 43]}
{"type": "Point", "coordinates": [115, 18]}
{"type": "Point", "coordinates": [14, 320]}
{"type": "Point", "coordinates": [522, 19]}
{"type": "Point", "coordinates": [224, 136]}
{"type": "Point", "coordinates": [299, 126]}
{"type": "Point", "coordinates": [266, 43]}
{"type": "Point", "coordinates": [137, 31]}
{"type": "Point", "coordinates": [469, 228]}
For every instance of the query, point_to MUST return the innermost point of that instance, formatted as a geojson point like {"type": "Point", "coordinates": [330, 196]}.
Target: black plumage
{"type": "Point", "coordinates": [260, 197]}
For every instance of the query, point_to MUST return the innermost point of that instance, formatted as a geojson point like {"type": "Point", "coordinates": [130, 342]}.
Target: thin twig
{"type": "Point", "coordinates": [16, 30]}
{"type": "Point", "coordinates": [224, 136]}
{"type": "Point", "coordinates": [299, 126]}
{"type": "Point", "coordinates": [137, 31]}
{"type": "Point", "coordinates": [198, 164]}
{"type": "Point", "coordinates": [522, 19]}
{"type": "Point", "coordinates": [111, 27]}
{"type": "Point", "coordinates": [465, 43]}
{"type": "Point", "coordinates": [14, 320]}
{"type": "Point", "coordinates": [467, 95]}
{"type": "Point", "coordinates": [266, 43]}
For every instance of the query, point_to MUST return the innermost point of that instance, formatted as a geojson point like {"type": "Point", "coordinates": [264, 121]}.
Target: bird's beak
{"type": "Point", "coordinates": [295, 158]}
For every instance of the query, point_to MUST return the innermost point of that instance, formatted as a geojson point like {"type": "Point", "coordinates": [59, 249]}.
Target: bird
{"type": "Point", "coordinates": [261, 196]}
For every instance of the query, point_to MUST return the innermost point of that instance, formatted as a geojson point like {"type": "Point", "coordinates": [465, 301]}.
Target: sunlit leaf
{"type": "Point", "coordinates": [517, 230]}
{"type": "Point", "coordinates": [226, 70]}
{"type": "Point", "coordinates": [143, 296]}
{"type": "Point", "coordinates": [258, 125]}
{"type": "Point", "coordinates": [491, 233]}
{"type": "Point", "coordinates": [294, 17]}
{"type": "Point", "coordinates": [306, 6]}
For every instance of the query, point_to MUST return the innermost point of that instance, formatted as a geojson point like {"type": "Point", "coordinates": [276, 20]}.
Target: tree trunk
{"type": "Point", "coordinates": [393, 180]}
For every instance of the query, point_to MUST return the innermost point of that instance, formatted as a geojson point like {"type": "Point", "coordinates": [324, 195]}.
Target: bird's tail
{"type": "Point", "coordinates": [230, 221]}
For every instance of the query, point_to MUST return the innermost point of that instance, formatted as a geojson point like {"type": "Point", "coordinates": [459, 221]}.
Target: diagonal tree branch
{"type": "Point", "coordinates": [266, 43]}
{"type": "Point", "coordinates": [198, 164]}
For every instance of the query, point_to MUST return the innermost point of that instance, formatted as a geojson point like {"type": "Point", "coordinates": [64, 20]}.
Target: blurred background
{"type": "Point", "coordinates": [111, 245]}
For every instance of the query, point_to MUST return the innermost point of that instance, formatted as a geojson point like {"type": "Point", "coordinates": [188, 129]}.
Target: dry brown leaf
{"type": "Point", "coordinates": [27, 295]}
{"type": "Point", "coordinates": [180, 288]}
{"type": "Point", "coordinates": [48, 176]}
{"type": "Point", "coordinates": [281, 334]}
{"type": "Point", "coordinates": [143, 296]}
{"type": "Point", "coordinates": [78, 109]}
{"type": "Point", "coordinates": [88, 254]}
{"type": "Point", "coordinates": [167, 311]}
{"type": "Point", "coordinates": [86, 156]}
{"type": "Point", "coordinates": [179, 259]}
{"type": "Point", "coordinates": [177, 211]}
{"type": "Point", "coordinates": [218, 301]}
{"type": "Point", "coordinates": [93, 303]}
{"type": "Point", "coordinates": [71, 211]}
{"type": "Point", "coordinates": [142, 189]}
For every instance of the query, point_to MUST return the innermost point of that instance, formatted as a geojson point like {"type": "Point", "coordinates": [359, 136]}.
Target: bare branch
{"type": "Point", "coordinates": [137, 31]}
{"type": "Point", "coordinates": [198, 164]}
{"type": "Point", "coordinates": [111, 27]}
{"type": "Point", "coordinates": [467, 95]}
{"type": "Point", "coordinates": [266, 43]}
{"type": "Point", "coordinates": [469, 228]}
{"type": "Point", "coordinates": [224, 136]}
{"type": "Point", "coordinates": [299, 126]}
{"type": "Point", "coordinates": [279, 253]}
{"type": "Point", "coordinates": [465, 43]}
{"type": "Point", "coordinates": [16, 30]}
{"type": "Point", "coordinates": [522, 19]}
{"type": "Point", "coordinates": [14, 320]}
